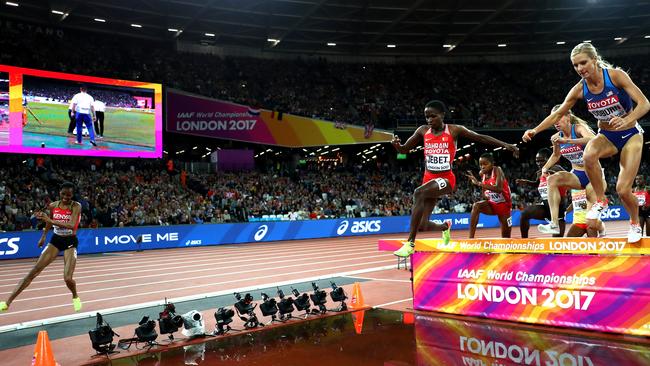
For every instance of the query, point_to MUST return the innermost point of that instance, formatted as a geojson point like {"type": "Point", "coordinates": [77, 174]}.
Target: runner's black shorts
{"type": "Point", "coordinates": [64, 242]}
{"type": "Point", "coordinates": [644, 213]}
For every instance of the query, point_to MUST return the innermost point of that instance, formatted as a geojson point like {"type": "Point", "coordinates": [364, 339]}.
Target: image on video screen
{"type": "Point", "coordinates": [4, 108]}
{"type": "Point", "coordinates": [121, 118]}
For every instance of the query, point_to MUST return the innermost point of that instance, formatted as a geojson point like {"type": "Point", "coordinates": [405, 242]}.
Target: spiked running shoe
{"type": "Point", "coordinates": [634, 234]}
{"type": "Point", "coordinates": [406, 250]}
{"type": "Point", "coordinates": [598, 208]}
{"type": "Point", "coordinates": [446, 235]}
{"type": "Point", "coordinates": [76, 303]}
{"type": "Point", "coordinates": [549, 228]}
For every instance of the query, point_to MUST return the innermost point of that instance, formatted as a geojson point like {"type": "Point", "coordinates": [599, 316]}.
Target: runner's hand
{"type": "Point", "coordinates": [617, 122]}
{"type": "Point", "coordinates": [528, 135]}
{"type": "Point", "coordinates": [471, 177]}
{"type": "Point", "coordinates": [43, 216]}
{"type": "Point", "coordinates": [559, 140]}
{"type": "Point", "coordinates": [396, 142]}
{"type": "Point", "coordinates": [513, 149]}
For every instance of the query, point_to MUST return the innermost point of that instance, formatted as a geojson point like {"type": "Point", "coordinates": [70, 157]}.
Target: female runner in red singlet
{"type": "Point", "coordinates": [64, 218]}
{"type": "Point", "coordinates": [497, 196]}
{"type": "Point", "coordinates": [439, 141]}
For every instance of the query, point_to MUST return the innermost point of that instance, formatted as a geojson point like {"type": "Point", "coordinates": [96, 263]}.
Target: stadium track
{"type": "Point", "coordinates": [121, 279]}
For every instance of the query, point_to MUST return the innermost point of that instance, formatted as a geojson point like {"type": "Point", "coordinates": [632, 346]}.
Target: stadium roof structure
{"type": "Point", "coordinates": [359, 27]}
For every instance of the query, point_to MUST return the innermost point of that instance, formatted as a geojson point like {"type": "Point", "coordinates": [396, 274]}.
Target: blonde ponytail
{"type": "Point", "coordinates": [573, 119]}
{"type": "Point", "coordinates": [591, 51]}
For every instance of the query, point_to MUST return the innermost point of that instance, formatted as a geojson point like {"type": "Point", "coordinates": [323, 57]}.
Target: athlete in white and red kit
{"type": "Point", "coordinates": [64, 218]}
{"type": "Point", "coordinates": [497, 196]}
{"type": "Point", "coordinates": [642, 193]}
{"type": "Point", "coordinates": [542, 210]}
{"type": "Point", "coordinates": [439, 141]}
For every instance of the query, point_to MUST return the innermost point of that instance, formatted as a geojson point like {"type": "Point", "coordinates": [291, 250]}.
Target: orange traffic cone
{"type": "Point", "coordinates": [43, 355]}
{"type": "Point", "coordinates": [408, 318]}
{"type": "Point", "coordinates": [357, 318]}
{"type": "Point", "coordinates": [357, 297]}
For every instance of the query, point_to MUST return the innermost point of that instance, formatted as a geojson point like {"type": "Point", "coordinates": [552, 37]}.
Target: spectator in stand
{"type": "Point", "coordinates": [351, 94]}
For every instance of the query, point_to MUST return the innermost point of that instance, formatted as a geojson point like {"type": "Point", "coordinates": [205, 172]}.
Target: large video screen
{"type": "Point", "coordinates": [43, 112]}
{"type": "Point", "coordinates": [4, 109]}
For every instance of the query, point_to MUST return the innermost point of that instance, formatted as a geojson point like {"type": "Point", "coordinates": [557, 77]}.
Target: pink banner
{"type": "Point", "coordinates": [604, 293]}
{"type": "Point", "coordinates": [201, 116]}
{"type": "Point", "coordinates": [207, 117]}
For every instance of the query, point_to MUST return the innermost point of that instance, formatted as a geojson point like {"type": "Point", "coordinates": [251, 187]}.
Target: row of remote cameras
{"type": "Point", "coordinates": [192, 323]}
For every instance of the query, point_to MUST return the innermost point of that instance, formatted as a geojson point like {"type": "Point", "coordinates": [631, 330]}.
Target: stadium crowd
{"type": "Point", "coordinates": [130, 192]}
{"type": "Point", "coordinates": [483, 95]}
{"type": "Point", "coordinates": [119, 192]}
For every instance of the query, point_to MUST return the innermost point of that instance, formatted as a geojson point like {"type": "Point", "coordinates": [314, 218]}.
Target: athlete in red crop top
{"type": "Point", "coordinates": [497, 196]}
{"type": "Point", "coordinates": [439, 141]}
{"type": "Point", "coordinates": [64, 218]}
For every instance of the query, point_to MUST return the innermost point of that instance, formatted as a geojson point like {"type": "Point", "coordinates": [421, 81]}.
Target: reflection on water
{"type": "Point", "coordinates": [391, 338]}
{"type": "Point", "coordinates": [443, 341]}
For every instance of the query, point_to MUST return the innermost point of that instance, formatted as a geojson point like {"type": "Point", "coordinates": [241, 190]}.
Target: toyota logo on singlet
{"type": "Point", "coordinates": [261, 232]}
{"type": "Point", "coordinates": [344, 226]}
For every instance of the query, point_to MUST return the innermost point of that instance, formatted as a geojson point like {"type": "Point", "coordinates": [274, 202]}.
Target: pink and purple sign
{"type": "Point", "coordinates": [603, 293]}
{"type": "Point", "coordinates": [201, 116]}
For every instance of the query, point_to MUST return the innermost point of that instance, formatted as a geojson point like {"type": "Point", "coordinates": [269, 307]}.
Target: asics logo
{"type": "Point", "coordinates": [343, 227]}
{"type": "Point", "coordinates": [359, 227]}
{"type": "Point", "coordinates": [612, 213]}
{"type": "Point", "coordinates": [261, 232]}
{"type": "Point", "coordinates": [12, 243]}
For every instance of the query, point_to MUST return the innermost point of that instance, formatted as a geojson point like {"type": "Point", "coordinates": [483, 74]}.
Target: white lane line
{"type": "Point", "coordinates": [392, 302]}
{"type": "Point", "coordinates": [83, 266]}
{"type": "Point", "coordinates": [195, 264]}
{"type": "Point", "coordinates": [177, 288]}
{"type": "Point", "coordinates": [170, 260]}
{"type": "Point", "coordinates": [92, 314]}
{"type": "Point", "coordinates": [207, 249]}
{"type": "Point", "coordinates": [380, 279]}
{"type": "Point", "coordinates": [194, 278]}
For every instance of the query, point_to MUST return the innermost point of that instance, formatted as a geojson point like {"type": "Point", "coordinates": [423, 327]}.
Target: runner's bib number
{"type": "Point", "coordinates": [641, 198]}
{"type": "Point", "coordinates": [495, 197]}
{"type": "Point", "coordinates": [543, 192]}
{"type": "Point", "coordinates": [438, 162]}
